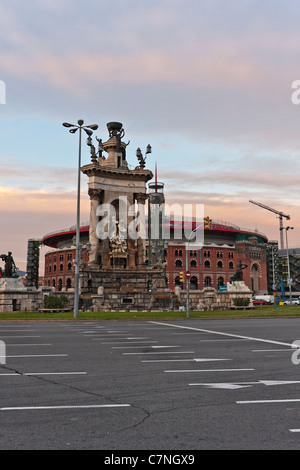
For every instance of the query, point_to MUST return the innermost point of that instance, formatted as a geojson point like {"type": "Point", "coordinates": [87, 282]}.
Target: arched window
{"type": "Point", "coordinates": [230, 265]}
{"type": "Point", "coordinates": [60, 283]}
{"type": "Point", "coordinates": [220, 281]}
{"type": "Point", "coordinates": [194, 283]}
{"type": "Point", "coordinates": [69, 266]}
{"type": "Point", "coordinates": [54, 268]}
{"type": "Point", "coordinates": [69, 283]}
{"type": "Point", "coordinates": [176, 253]}
{"type": "Point", "coordinates": [193, 263]}
{"type": "Point", "coordinates": [61, 267]}
{"type": "Point", "coordinates": [207, 264]}
{"type": "Point", "coordinates": [178, 263]}
{"type": "Point", "coordinates": [219, 265]}
{"type": "Point", "coordinates": [53, 282]}
{"type": "Point", "coordinates": [207, 281]}
{"type": "Point", "coordinates": [180, 252]}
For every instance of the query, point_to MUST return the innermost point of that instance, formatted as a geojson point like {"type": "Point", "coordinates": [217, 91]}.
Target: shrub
{"type": "Point", "coordinates": [55, 301]}
{"type": "Point", "coordinates": [241, 302]}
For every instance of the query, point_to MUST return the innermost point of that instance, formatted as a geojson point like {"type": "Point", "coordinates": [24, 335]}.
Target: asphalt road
{"type": "Point", "coordinates": [149, 385]}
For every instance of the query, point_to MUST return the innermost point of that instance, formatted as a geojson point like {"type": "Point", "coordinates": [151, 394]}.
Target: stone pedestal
{"type": "Point", "coordinates": [237, 286]}
{"type": "Point", "coordinates": [8, 284]}
{"type": "Point", "coordinates": [13, 295]}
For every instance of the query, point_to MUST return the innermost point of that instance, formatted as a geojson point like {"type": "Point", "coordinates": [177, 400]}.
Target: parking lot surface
{"type": "Point", "coordinates": [139, 385]}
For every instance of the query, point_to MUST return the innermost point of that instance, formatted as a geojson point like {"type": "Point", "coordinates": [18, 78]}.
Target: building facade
{"type": "Point", "coordinates": [212, 266]}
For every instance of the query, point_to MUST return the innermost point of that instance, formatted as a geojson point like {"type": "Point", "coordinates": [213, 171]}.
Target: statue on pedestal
{"type": "Point", "coordinates": [238, 276]}
{"type": "Point", "coordinates": [10, 267]}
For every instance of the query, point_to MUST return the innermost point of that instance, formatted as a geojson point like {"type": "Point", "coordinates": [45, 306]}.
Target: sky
{"type": "Point", "coordinates": [207, 83]}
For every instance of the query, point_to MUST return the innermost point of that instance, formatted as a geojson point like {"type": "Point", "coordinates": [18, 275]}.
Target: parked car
{"type": "Point", "coordinates": [260, 302]}
{"type": "Point", "coordinates": [292, 302]}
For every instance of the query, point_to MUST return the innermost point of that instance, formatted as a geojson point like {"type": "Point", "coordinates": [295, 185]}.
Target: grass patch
{"type": "Point", "coordinates": [261, 311]}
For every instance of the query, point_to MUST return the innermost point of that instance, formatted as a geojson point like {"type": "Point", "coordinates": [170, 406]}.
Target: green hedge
{"type": "Point", "coordinates": [55, 301]}
{"type": "Point", "coordinates": [241, 302]}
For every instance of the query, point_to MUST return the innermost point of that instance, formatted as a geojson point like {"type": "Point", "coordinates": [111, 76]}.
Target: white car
{"type": "Point", "coordinates": [292, 302]}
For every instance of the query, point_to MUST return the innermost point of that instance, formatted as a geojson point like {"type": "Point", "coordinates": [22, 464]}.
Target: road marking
{"type": "Point", "coordinates": [251, 338]}
{"type": "Point", "coordinates": [287, 400]}
{"type": "Point", "coordinates": [132, 342]}
{"type": "Point", "coordinates": [111, 336]}
{"type": "Point", "coordinates": [185, 360]}
{"type": "Point", "coordinates": [40, 355]}
{"type": "Point", "coordinates": [139, 347]}
{"type": "Point", "coordinates": [234, 385]}
{"type": "Point", "coordinates": [18, 374]}
{"type": "Point", "coordinates": [161, 352]}
{"type": "Point", "coordinates": [271, 350]}
{"type": "Point", "coordinates": [22, 408]}
{"type": "Point", "coordinates": [26, 336]}
{"type": "Point", "coordinates": [207, 370]}
{"type": "Point", "coordinates": [23, 331]}
{"type": "Point", "coordinates": [294, 430]}
{"type": "Point", "coordinates": [224, 386]}
{"type": "Point", "coordinates": [31, 344]}
{"type": "Point", "coordinates": [139, 337]}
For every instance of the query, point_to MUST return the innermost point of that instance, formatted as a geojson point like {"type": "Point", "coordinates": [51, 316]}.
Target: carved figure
{"type": "Point", "coordinates": [10, 267]}
{"type": "Point", "coordinates": [238, 276]}
{"type": "Point", "coordinates": [118, 243]}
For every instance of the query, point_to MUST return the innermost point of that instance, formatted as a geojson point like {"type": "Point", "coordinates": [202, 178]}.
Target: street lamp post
{"type": "Point", "coordinates": [89, 130]}
{"type": "Point", "coordinates": [186, 270]}
{"type": "Point", "coordinates": [288, 260]}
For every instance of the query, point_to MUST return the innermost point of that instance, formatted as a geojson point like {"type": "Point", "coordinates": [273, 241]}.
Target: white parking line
{"type": "Point", "coordinates": [31, 344]}
{"type": "Point", "coordinates": [131, 342]}
{"type": "Point", "coordinates": [26, 336]}
{"type": "Point", "coordinates": [161, 352]}
{"type": "Point", "coordinates": [18, 374]}
{"type": "Point", "coordinates": [185, 360]}
{"type": "Point", "coordinates": [207, 370]}
{"type": "Point", "coordinates": [22, 408]}
{"type": "Point", "coordinates": [40, 355]}
{"type": "Point", "coordinates": [139, 347]}
{"type": "Point", "coordinates": [251, 338]}
{"type": "Point", "coordinates": [271, 350]}
{"type": "Point", "coordinates": [286, 400]}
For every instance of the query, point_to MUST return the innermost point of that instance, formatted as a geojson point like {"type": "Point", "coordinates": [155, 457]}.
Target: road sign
{"type": "Point", "coordinates": [188, 274]}
{"type": "Point", "coordinates": [222, 288]}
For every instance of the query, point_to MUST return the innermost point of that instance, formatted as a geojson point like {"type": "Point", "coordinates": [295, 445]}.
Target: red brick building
{"type": "Point", "coordinates": [212, 266]}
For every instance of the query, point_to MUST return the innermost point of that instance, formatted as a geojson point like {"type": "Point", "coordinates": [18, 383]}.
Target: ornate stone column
{"type": "Point", "coordinates": [95, 197]}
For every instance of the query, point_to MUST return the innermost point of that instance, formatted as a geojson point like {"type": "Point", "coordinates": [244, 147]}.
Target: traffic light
{"type": "Point", "coordinates": [181, 277]}
{"type": "Point", "coordinates": [207, 223]}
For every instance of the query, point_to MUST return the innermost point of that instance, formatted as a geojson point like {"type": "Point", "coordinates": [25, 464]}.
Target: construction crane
{"type": "Point", "coordinates": [280, 214]}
